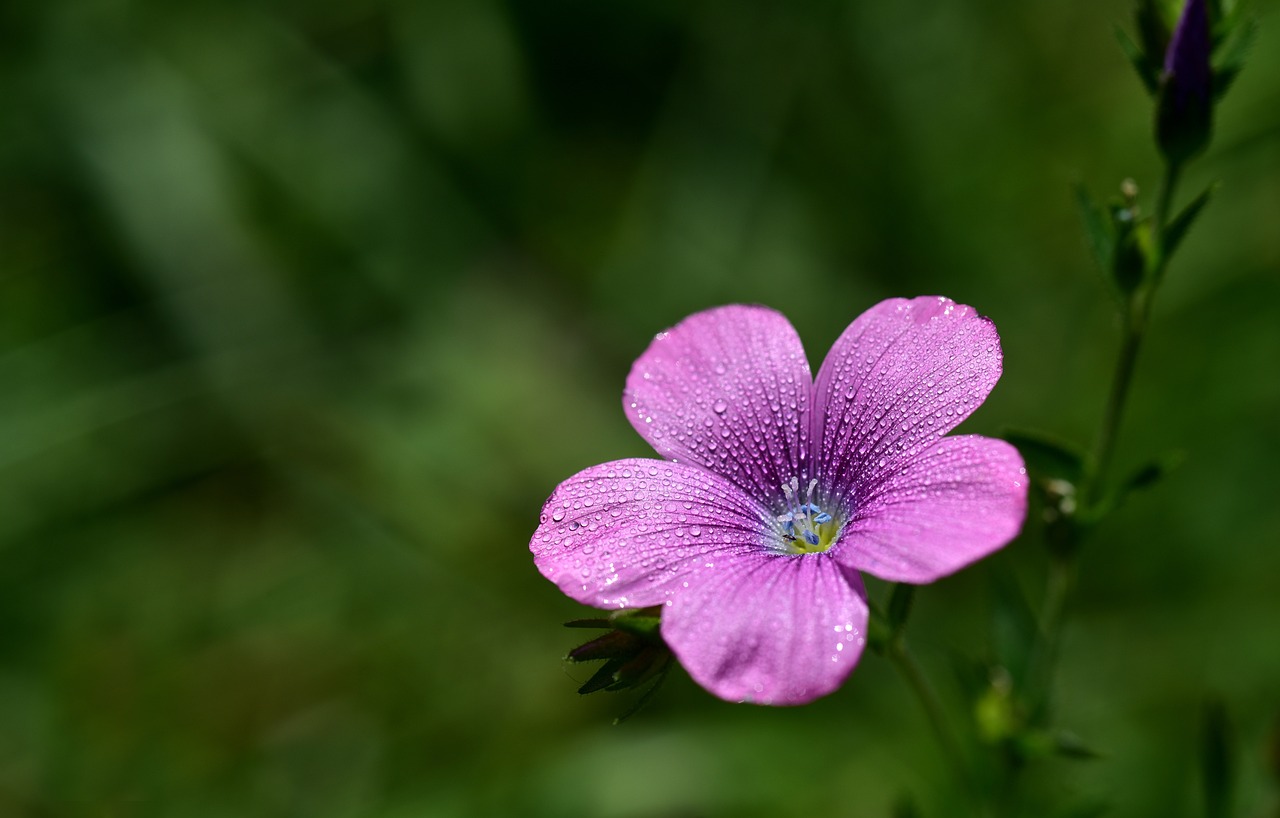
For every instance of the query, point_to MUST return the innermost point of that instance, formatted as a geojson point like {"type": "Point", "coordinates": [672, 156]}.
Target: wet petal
{"type": "Point", "coordinates": [904, 373]}
{"type": "Point", "coordinates": [956, 502]}
{"type": "Point", "coordinates": [727, 389]}
{"type": "Point", "coordinates": [628, 533]}
{"type": "Point", "coordinates": [779, 629]}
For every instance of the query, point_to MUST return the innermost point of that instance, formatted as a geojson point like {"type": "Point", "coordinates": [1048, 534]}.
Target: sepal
{"type": "Point", "coordinates": [633, 652]}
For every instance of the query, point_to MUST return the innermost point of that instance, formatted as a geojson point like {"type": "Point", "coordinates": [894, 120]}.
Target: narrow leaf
{"type": "Point", "coordinates": [1233, 56]}
{"type": "Point", "coordinates": [1046, 456]}
{"type": "Point", "coordinates": [1177, 229]}
{"type": "Point", "coordinates": [1239, 43]}
{"type": "Point", "coordinates": [1069, 745]}
{"type": "Point", "coordinates": [1096, 230]}
{"type": "Point", "coordinates": [1150, 80]}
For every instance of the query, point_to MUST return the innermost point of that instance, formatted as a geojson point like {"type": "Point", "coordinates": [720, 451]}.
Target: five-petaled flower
{"type": "Point", "coordinates": [778, 490]}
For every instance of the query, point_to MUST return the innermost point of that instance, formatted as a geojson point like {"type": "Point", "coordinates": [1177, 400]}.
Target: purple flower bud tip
{"type": "Point", "coordinates": [779, 489]}
{"type": "Point", "coordinates": [1186, 62]}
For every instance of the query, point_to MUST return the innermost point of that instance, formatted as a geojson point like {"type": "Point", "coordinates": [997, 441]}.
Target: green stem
{"type": "Point", "coordinates": [905, 662]}
{"type": "Point", "coordinates": [1135, 320]}
{"type": "Point", "coordinates": [1052, 614]}
{"type": "Point", "coordinates": [1137, 309]}
{"type": "Point", "coordinates": [1163, 201]}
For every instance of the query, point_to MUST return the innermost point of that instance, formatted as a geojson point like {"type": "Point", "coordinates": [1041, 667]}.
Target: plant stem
{"type": "Point", "coordinates": [1135, 320]}
{"type": "Point", "coordinates": [905, 662]}
{"type": "Point", "coordinates": [1136, 310]}
{"type": "Point", "coordinates": [1052, 613]}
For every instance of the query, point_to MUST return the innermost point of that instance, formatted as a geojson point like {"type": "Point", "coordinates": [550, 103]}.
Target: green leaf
{"type": "Point", "coordinates": [1047, 457]}
{"type": "Point", "coordinates": [1243, 31]}
{"type": "Point", "coordinates": [1178, 227]}
{"type": "Point", "coordinates": [1154, 21]}
{"type": "Point", "coordinates": [1096, 230]}
{"type": "Point", "coordinates": [1217, 760]}
{"type": "Point", "coordinates": [1069, 745]}
{"type": "Point", "coordinates": [1150, 79]}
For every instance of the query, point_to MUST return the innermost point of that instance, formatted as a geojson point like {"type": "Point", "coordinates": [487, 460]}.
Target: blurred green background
{"type": "Point", "coordinates": [305, 307]}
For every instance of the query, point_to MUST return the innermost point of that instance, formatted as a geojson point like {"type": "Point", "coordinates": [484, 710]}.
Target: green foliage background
{"type": "Point", "coordinates": [305, 307]}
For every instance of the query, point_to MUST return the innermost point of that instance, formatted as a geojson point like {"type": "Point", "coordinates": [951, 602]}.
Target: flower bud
{"type": "Point", "coordinates": [1184, 110]}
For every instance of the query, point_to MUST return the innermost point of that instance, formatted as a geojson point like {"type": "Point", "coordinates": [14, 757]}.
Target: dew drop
{"type": "Point", "coordinates": [719, 407]}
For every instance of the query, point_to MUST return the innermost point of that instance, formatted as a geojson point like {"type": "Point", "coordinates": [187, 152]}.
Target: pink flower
{"type": "Point", "coordinates": [778, 490]}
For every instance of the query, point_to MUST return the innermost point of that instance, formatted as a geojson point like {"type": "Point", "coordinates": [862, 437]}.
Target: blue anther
{"type": "Point", "coordinates": [811, 538]}
{"type": "Point", "coordinates": [823, 517]}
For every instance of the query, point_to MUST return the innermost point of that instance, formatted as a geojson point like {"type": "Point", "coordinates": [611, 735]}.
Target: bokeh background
{"type": "Point", "coordinates": [305, 307]}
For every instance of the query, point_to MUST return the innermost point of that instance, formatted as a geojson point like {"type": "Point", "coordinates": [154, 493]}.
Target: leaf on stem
{"type": "Point", "coordinates": [1069, 745]}
{"type": "Point", "coordinates": [1241, 33]}
{"type": "Point", "coordinates": [1178, 227]}
{"type": "Point", "coordinates": [1096, 230]}
{"type": "Point", "coordinates": [1149, 76]}
{"type": "Point", "coordinates": [1046, 456]}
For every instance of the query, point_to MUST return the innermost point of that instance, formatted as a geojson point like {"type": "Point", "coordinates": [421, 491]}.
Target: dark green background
{"type": "Point", "coordinates": [305, 307]}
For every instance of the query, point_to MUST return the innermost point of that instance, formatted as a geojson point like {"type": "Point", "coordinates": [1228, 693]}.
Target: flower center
{"type": "Point", "coordinates": [806, 528]}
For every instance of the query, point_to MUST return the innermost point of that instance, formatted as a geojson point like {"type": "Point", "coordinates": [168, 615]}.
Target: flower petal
{"type": "Point", "coordinates": [626, 534]}
{"type": "Point", "coordinates": [777, 629]}
{"type": "Point", "coordinates": [956, 502]}
{"type": "Point", "coordinates": [904, 373]}
{"type": "Point", "coordinates": [727, 389]}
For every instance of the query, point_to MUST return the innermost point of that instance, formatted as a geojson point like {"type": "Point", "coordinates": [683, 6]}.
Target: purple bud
{"type": "Point", "coordinates": [1187, 59]}
{"type": "Point", "coordinates": [1186, 99]}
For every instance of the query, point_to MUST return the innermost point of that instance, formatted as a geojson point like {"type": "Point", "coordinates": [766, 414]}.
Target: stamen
{"type": "Point", "coordinates": [804, 518]}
